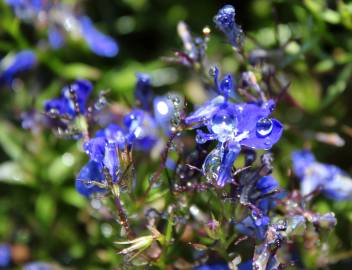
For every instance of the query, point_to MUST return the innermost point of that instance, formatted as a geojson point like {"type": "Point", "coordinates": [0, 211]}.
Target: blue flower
{"type": "Point", "coordinates": [143, 92]}
{"type": "Point", "coordinates": [235, 125]}
{"type": "Point", "coordinates": [5, 255]}
{"type": "Point", "coordinates": [103, 154]}
{"type": "Point", "coordinates": [333, 182]}
{"type": "Point", "coordinates": [64, 105]}
{"type": "Point", "coordinates": [10, 66]}
{"type": "Point", "coordinates": [99, 43]}
{"type": "Point", "coordinates": [225, 21]}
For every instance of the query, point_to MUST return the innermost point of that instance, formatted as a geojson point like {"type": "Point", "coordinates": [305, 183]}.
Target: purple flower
{"type": "Point", "coordinates": [99, 43]}
{"type": "Point", "coordinates": [5, 255]}
{"type": "Point", "coordinates": [333, 182]}
{"type": "Point", "coordinates": [225, 21]}
{"type": "Point", "coordinates": [12, 65]}
{"type": "Point", "coordinates": [235, 125]}
{"type": "Point", "coordinates": [64, 105]}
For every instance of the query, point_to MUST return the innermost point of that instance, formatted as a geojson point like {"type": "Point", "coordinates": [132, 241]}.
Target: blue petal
{"type": "Point", "coordinates": [92, 171]}
{"type": "Point", "coordinates": [256, 141]}
{"type": "Point", "coordinates": [111, 160]}
{"type": "Point", "coordinates": [95, 148]}
{"type": "Point", "coordinates": [339, 185]}
{"type": "Point", "coordinates": [5, 255]}
{"type": "Point", "coordinates": [230, 154]}
{"type": "Point", "coordinates": [37, 266]}
{"type": "Point", "coordinates": [99, 43]}
{"type": "Point", "coordinates": [301, 160]}
{"type": "Point", "coordinates": [217, 266]}
{"type": "Point", "coordinates": [60, 105]}
{"type": "Point", "coordinates": [205, 111]}
{"type": "Point", "coordinates": [56, 38]}
{"type": "Point", "coordinates": [266, 184]}
{"type": "Point", "coordinates": [22, 61]}
{"type": "Point", "coordinates": [113, 133]}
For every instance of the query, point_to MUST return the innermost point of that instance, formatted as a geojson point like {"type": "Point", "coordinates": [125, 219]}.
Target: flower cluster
{"type": "Point", "coordinates": [220, 153]}
{"type": "Point", "coordinates": [61, 21]}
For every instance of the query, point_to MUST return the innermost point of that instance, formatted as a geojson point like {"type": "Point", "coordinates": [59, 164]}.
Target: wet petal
{"type": "Point", "coordinates": [230, 154]}
{"type": "Point", "coordinates": [205, 111]}
{"type": "Point", "coordinates": [255, 141]}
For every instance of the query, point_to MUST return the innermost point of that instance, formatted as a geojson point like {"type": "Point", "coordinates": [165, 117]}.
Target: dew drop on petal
{"type": "Point", "coordinates": [223, 123]}
{"type": "Point", "coordinates": [211, 165]}
{"type": "Point", "coordinates": [264, 126]}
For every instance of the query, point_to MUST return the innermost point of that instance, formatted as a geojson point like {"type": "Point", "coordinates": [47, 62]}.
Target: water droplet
{"type": "Point", "coordinates": [211, 165]}
{"type": "Point", "coordinates": [264, 126]}
{"type": "Point", "coordinates": [101, 103]}
{"type": "Point", "coordinates": [200, 139]}
{"type": "Point", "coordinates": [223, 123]}
{"type": "Point", "coordinates": [212, 71]}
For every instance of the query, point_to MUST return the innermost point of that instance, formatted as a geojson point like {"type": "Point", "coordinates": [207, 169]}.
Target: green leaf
{"type": "Point", "coordinates": [45, 209]}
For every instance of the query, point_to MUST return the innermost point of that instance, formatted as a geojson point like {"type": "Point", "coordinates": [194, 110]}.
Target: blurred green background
{"type": "Point", "coordinates": [311, 46]}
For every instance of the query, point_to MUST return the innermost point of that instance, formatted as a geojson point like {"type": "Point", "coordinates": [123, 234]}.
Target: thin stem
{"type": "Point", "coordinates": [123, 218]}
{"type": "Point", "coordinates": [164, 155]}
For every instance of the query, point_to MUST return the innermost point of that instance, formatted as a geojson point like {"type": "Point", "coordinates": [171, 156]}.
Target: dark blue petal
{"type": "Point", "coordinates": [5, 255]}
{"type": "Point", "coordinates": [22, 61]}
{"type": "Point", "coordinates": [226, 86]}
{"type": "Point", "coordinates": [99, 43]}
{"type": "Point", "coordinates": [266, 184]}
{"type": "Point", "coordinates": [246, 265]}
{"type": "Point", "coordinates": [205, 111]}
{"type": "Point", "coordinates": [217, 266]}
{"type": "Point", "coordinates": [248, 227]}
{"type": "Point", "coordinates": [301, 160]}
{"type": "Point", "coordinates": [143, 91]}
{"type": "Point", "coordinates": [59, 105]}
{"type": "Point", "coordinates": [255, 141]}
{"type": "Point", "coordinates": [92, 171]}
